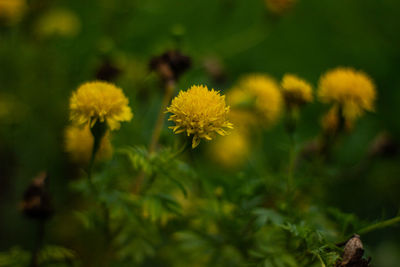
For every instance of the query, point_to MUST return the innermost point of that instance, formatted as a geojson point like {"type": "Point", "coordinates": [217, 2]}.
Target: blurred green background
{"type": "Point", "coordinates": [40, 66]}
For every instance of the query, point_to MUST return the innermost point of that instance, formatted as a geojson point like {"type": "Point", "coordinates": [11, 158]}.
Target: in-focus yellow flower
{"type": "Point", "coordinates": [296, 91]}
{"type": "Point", "coordinates": [99, 101]}
{"type": "Point", "coordinates": [199, 112]}
{"type": "Point", "coordinates": [11, 11]}
{"type": "Point", "coordinates": [263, 93]}
{"type": "Point", "coordinates": [61, 22]}
{"type": "Point", "coordinates": [279, 7]}
{"type": "Point", "coordinates": [79, 144]}
{"type": "Point", "coordinates": [231, 151]}
{"type": "Point", "coordinates": [352, 90]}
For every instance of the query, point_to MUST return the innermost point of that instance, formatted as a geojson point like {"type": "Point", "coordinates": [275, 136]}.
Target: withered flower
{"type": "Point", "coordinates": [170, 65]}
{"type": "Point", "coordinates": [384, 145]}
{"type": "Point", "coordinates": [36, 203]}
{"type": "Point", "coordinates": [107, 71]}
{"type": "Point", "coordinates": [353, 254]}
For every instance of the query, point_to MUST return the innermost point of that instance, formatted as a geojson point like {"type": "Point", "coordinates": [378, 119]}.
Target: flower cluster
{"type": "Point", "coordinates": [199, 112]}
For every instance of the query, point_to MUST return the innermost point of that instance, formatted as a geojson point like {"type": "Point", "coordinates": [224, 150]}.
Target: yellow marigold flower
{"type": "Point", "coordinates": [79, 144]}
{"type": "Point", "coordinates": [62, 22]}
{"type": "Point", "coordinates": [353, 90]}
{"type": "Point", "coordinates": [264, 92]}
{"type": "Point", "coordinates": [99, 101]}
{"type": "Point", "coordinates": [296, 91]}
{"type": "Point", "coordinates": [232, 150]}
{"type": "Point", "coordinates": [200, 112]}
{"type": "Point", "coordinates": [12, 10]}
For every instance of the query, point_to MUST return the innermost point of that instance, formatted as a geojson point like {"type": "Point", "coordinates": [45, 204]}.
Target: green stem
{"type": "Point", "coordinates": [96, 145]}
{"type": "Point", "coordinates": [291, 124]}
{"type": "Point", "coordinates": [373, 227]}
{"type": "Point", "coordinates": [98, 131]}
{"type": "Point", "coordinates": [39, 243]}
{"type": "Point", "coordinates": [169, 90]}
{"type": "Point", "coordinates": [321, 260]}
{"type": "Point", "coordinates": [183, 149]}
{"type": "Point", "coordinates": [292, 158]}
{"type": "Point", "coordinates": [379, 225]}
{"type": "Point", "coordinates": [153, 177]}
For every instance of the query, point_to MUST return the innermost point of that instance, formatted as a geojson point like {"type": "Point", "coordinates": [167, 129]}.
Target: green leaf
{"type": "Point", "coordinates": [15, 257]}
{"type": "Point", "coordinates": [56, 254]}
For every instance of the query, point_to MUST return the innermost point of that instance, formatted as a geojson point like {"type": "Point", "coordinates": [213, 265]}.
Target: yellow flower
{"type": "Point", "coordinates": [352, 90]}
{"type": "Point", "coordinates": [200, 112]}
{"type": "Point", "coordinates": [62, 22]}
{"type": "Point", "coordinates": [12, 10]}
{"type": "Point", "coordinates": [99, 101]}
{"type": "Point", "coordinates": [79, 144]}
{"type": "Point", "coordinates": [331, 121]}
{"type": "Point", "coordinates": [232, 150]}
{"type": "Point", "coordinates": [264, 92]}
{"type": "Point", "coordinates": [296, 91]}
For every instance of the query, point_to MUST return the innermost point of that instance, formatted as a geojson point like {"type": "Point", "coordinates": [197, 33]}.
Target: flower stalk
{"type": "Point", "coordinates": [41, 225]}
{"type": "Point", "coordinates": [291, 129]}
{"type": "Point", "coordinates": [98, 131]}
{"type": "Point", "coordinates": [169, 90]}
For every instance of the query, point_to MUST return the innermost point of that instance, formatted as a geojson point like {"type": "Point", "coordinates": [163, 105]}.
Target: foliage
{"type": "Point", "coordinates": [297, 177]}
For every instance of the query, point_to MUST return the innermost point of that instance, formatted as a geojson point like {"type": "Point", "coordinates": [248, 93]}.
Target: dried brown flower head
{"type": "Point", "coordinates": [36, 203]}
{"type": "Point", "coordinates": [170, 65]}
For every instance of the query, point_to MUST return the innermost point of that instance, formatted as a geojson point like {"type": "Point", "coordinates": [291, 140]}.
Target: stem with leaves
{"type": "Point", "coordinates": [379, 225]}
{"type": "Point", "coordinates": [168, 93]}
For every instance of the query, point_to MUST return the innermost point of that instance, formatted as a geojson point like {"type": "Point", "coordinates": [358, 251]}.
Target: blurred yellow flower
{"type": "Point", "coordinates": [11, 11]}
{"type": "Point", "coordinates": [296, 91]}
{"type": "Point", "coordinates": [244, 120]}
{"type": "Point", "coordinates": [279, 6]}
{"type": "Point", "coordinates": [241, 114]}
{"type": "Point", "coordinates": [263, 93]}
{"type": "Point", "coordinates": [99, 101]}
{"type": "Point", "coordinates": [199, 112]}
{"type": "Point", "coordinates": [352, 90]}
{"type": "Point", "coordinates": [79, 144]}
{"type": "Point", "coordinates": [331, 121]}
{"type": "Point", "coordinates": [231, 151]}
{"type": "Point", "coordinates": [62, 22]}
